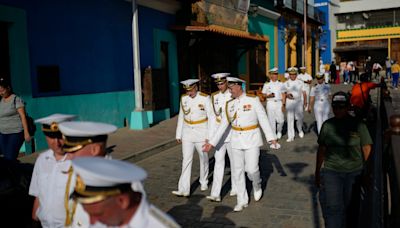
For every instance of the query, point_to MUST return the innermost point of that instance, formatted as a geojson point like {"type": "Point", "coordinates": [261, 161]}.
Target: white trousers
{"type": "Point", "coordinates": [246, 161]}
{"type": "Point", "coordinates": [321, 112]}
{"type": "Point", "coordinates": [187, 160]}
{"type": "Point", "coordinates": [294, 110]}
{"type": "Point", "coordinates": [219, 168]}
{"type": "Point", "coordinates": [275, 115]}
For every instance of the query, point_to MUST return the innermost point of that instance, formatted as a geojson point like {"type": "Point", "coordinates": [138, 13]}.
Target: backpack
{"type": "Point", "coordinates": [29, 120]}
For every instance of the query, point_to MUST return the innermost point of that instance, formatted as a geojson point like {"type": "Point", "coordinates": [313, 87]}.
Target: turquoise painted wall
{"type": "Point", "coordinates": [264, 26]}
{"type": "Point", "coordinates": [113, 108]}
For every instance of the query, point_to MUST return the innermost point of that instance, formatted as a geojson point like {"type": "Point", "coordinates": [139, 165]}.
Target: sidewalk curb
{"type": "Point", "coordinates": [150, 151]}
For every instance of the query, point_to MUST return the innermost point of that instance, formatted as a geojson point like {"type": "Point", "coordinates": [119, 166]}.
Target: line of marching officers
{"type": "Point", "coordinates": [231, 121]}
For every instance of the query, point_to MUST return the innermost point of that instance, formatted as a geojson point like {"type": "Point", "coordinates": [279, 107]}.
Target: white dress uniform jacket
{"type": "Point", "coordinates": [80, 219]}
{"type": "Point", "coordinates": [274, 104]}
{"type": "Point", "coordinates": [306, 77]}
{"type": "Point", "coordinates": [148, 216]}
{"type": "Point", "coordinates": [245, 114]}
{"type": "Point", "coordinates": [321, 92]}
{"type": "Point", "coordinates": [196, 118]}
{"type": "Point", "coordinates": [48, 185]}
{"type": "Point", "coordinates": [218, 101]}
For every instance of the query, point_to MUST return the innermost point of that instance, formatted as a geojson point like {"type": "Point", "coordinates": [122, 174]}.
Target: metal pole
{"type": "Point", "coordinates": [305, 34]}
{"type": "Point", "coordinates": [136, 58]}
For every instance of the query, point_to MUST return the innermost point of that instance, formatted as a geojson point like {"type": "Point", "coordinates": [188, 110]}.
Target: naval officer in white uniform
{"type": "Point", "coordinates": [274, 91]}
{"type": "Point", "coordinates": [81, 139]}
{"type": "Point", "coordinates": [246, 115]}
{"type": "Point", "coordinates": [196, 122]}
{"type": "Point", "coordinates": [218, 101]}
{"type": "Point", "coordinates": [48, 182]}
{"type": "Point", "coordinates": [112, 194]}
{"type": "Point", "coordinates": [295, 101]}
{"type": "Point", "coordinates": [320, 96]}
{"type": "Point", "coordinates": [307, 80]}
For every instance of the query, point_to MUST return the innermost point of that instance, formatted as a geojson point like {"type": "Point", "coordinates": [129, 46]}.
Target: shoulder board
{"type": "Point", "coordinates": [250, 95]}
{"type": "Point", "coordinates": [162, 218]}
{"type": "Point", "coordinates": [203, 94]}
{"type": "Point", "coordinates": [184, 95]}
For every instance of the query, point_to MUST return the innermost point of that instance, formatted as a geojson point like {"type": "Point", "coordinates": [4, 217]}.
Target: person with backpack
{"type": "Point", "coordinates": [13, 122]}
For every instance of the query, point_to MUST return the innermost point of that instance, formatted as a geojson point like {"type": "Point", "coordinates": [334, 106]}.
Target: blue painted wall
{"type": "Point", "coordinates": [91, 42]}
{"type": "Point", "coordinates": [325, 40]}
{"type": "Point", "coordinates": [281, 46]}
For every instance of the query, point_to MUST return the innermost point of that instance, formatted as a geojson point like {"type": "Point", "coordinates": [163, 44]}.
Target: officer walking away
{"type": "Point", "coordinates": [48, 207]}
{"type": "Point", "coordinates": [295, 100]}
{"type": "Point", "coordinates": [246, 115]}
{"type": "Point", "coordinates": [344, 147]}
{"type": "Point", "coordinates": [112, 194]}
{"type": "Point", "coordinates": [319, 101]}
{"type": "Point", "coordinates": [274, 91]}
{"type": "Point", "coordinates": [218, 101]}
{"type": "Point", "coordinates": [196, 121]}
{"type": "Point", "coordinates": [81, 139]}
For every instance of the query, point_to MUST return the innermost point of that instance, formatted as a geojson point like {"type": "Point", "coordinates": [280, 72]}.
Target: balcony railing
{"type": "Point", "coordinates": [298, 7]}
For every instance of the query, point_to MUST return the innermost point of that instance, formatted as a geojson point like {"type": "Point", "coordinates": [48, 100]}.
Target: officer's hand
{"type": "Point", "coordinates": [275, 145]}
{"type": "Point", "coordinates": [207, 147]}
{"type": "Point", "coordinates": [179, 141]}
{"type": "Point", "coordinates": [283, 108]}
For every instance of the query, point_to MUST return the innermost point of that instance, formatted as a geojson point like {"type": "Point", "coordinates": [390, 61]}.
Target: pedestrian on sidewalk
{"type": "Point", "coordinates": [81, 139]}
{"type": "Point", "coordinates": [395, 74]}
{"type": "Point", "coordinates": [360, 96]}
{"type": "Point", "coordinates": [376, 68]}
{"type": "Point", "coordinates": [48, 207]}
{"type": "Point", "coordinates": [295, 101]}
{"type": "Point", "coordinates": [319, 101]}
{"type": "Point", "coordinates": [112, 194]}
{"type": "Point", "coordinates": [196, 123]}
{"type": "Point", "coordinates": [218, 101]}
{"type": "Point", "coordinates": [388, 64]}
{"type": "Point", "coordinates": [344, 147]}
{"type": "Point", "coordinates": [13, 122]}
{"type": "Point", "coordinates": [274, 91]}
{"type": "Point", "coordinates": [332, 69]}
{"type": "Point", "coordinates": [246, 115]}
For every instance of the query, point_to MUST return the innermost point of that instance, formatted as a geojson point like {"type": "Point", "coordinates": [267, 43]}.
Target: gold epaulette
{"type": "Point", "coordinates": [203, 94]}
{"type": "Point", "coordinates": [215, 93]}
{"type": "Point", "coordinates": [250, 95]}
{"type": "Point", "coordinates": [184, 95]}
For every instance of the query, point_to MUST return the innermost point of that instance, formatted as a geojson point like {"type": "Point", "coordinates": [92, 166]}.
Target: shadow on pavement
{"type": "Point", "coordinates": [190, 214]}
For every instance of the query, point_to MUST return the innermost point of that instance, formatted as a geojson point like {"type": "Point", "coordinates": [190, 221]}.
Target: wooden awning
{"type": "Point", "coordinates": [223, 31]}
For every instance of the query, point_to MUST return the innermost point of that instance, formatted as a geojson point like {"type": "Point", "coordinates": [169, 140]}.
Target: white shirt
{"type": "Point", "coordinates": [48, 183]}
{"type": "Point", "coordinates": [305, 77]}
{"type": "Point", "coordinates": [148, 216]}
{"type": "Point", "coordinates": [245, 111]}
{"type": "Point", "coordinates": [277, 88]}
{"type": "Point", "coordinates": [192, 110]}
{"type": "Point", "coordinates": [218, 102]}
{"type": "Point", "coordinates": [295, 87]}
{"type": "Point", "coordinates": [321, 92]}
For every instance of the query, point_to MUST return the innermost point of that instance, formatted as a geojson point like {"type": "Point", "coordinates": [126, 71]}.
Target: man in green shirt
{"type": "Point", "coordinates": [344, 146]}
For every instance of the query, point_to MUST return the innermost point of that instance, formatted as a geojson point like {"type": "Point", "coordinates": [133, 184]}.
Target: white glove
{"type": "Point", "coordinates": [275, 146]}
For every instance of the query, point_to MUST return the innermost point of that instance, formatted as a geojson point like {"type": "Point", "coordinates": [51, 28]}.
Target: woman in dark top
{"type": "Point", "coordinates": [13, 123]}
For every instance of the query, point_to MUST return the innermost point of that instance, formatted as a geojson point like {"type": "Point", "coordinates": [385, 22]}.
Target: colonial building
{"type": "Point", "coordinates": [368, 28]}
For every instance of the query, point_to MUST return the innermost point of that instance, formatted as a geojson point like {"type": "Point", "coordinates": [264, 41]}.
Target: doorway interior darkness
{"type": "Point", "coordinates": [4, 51]}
